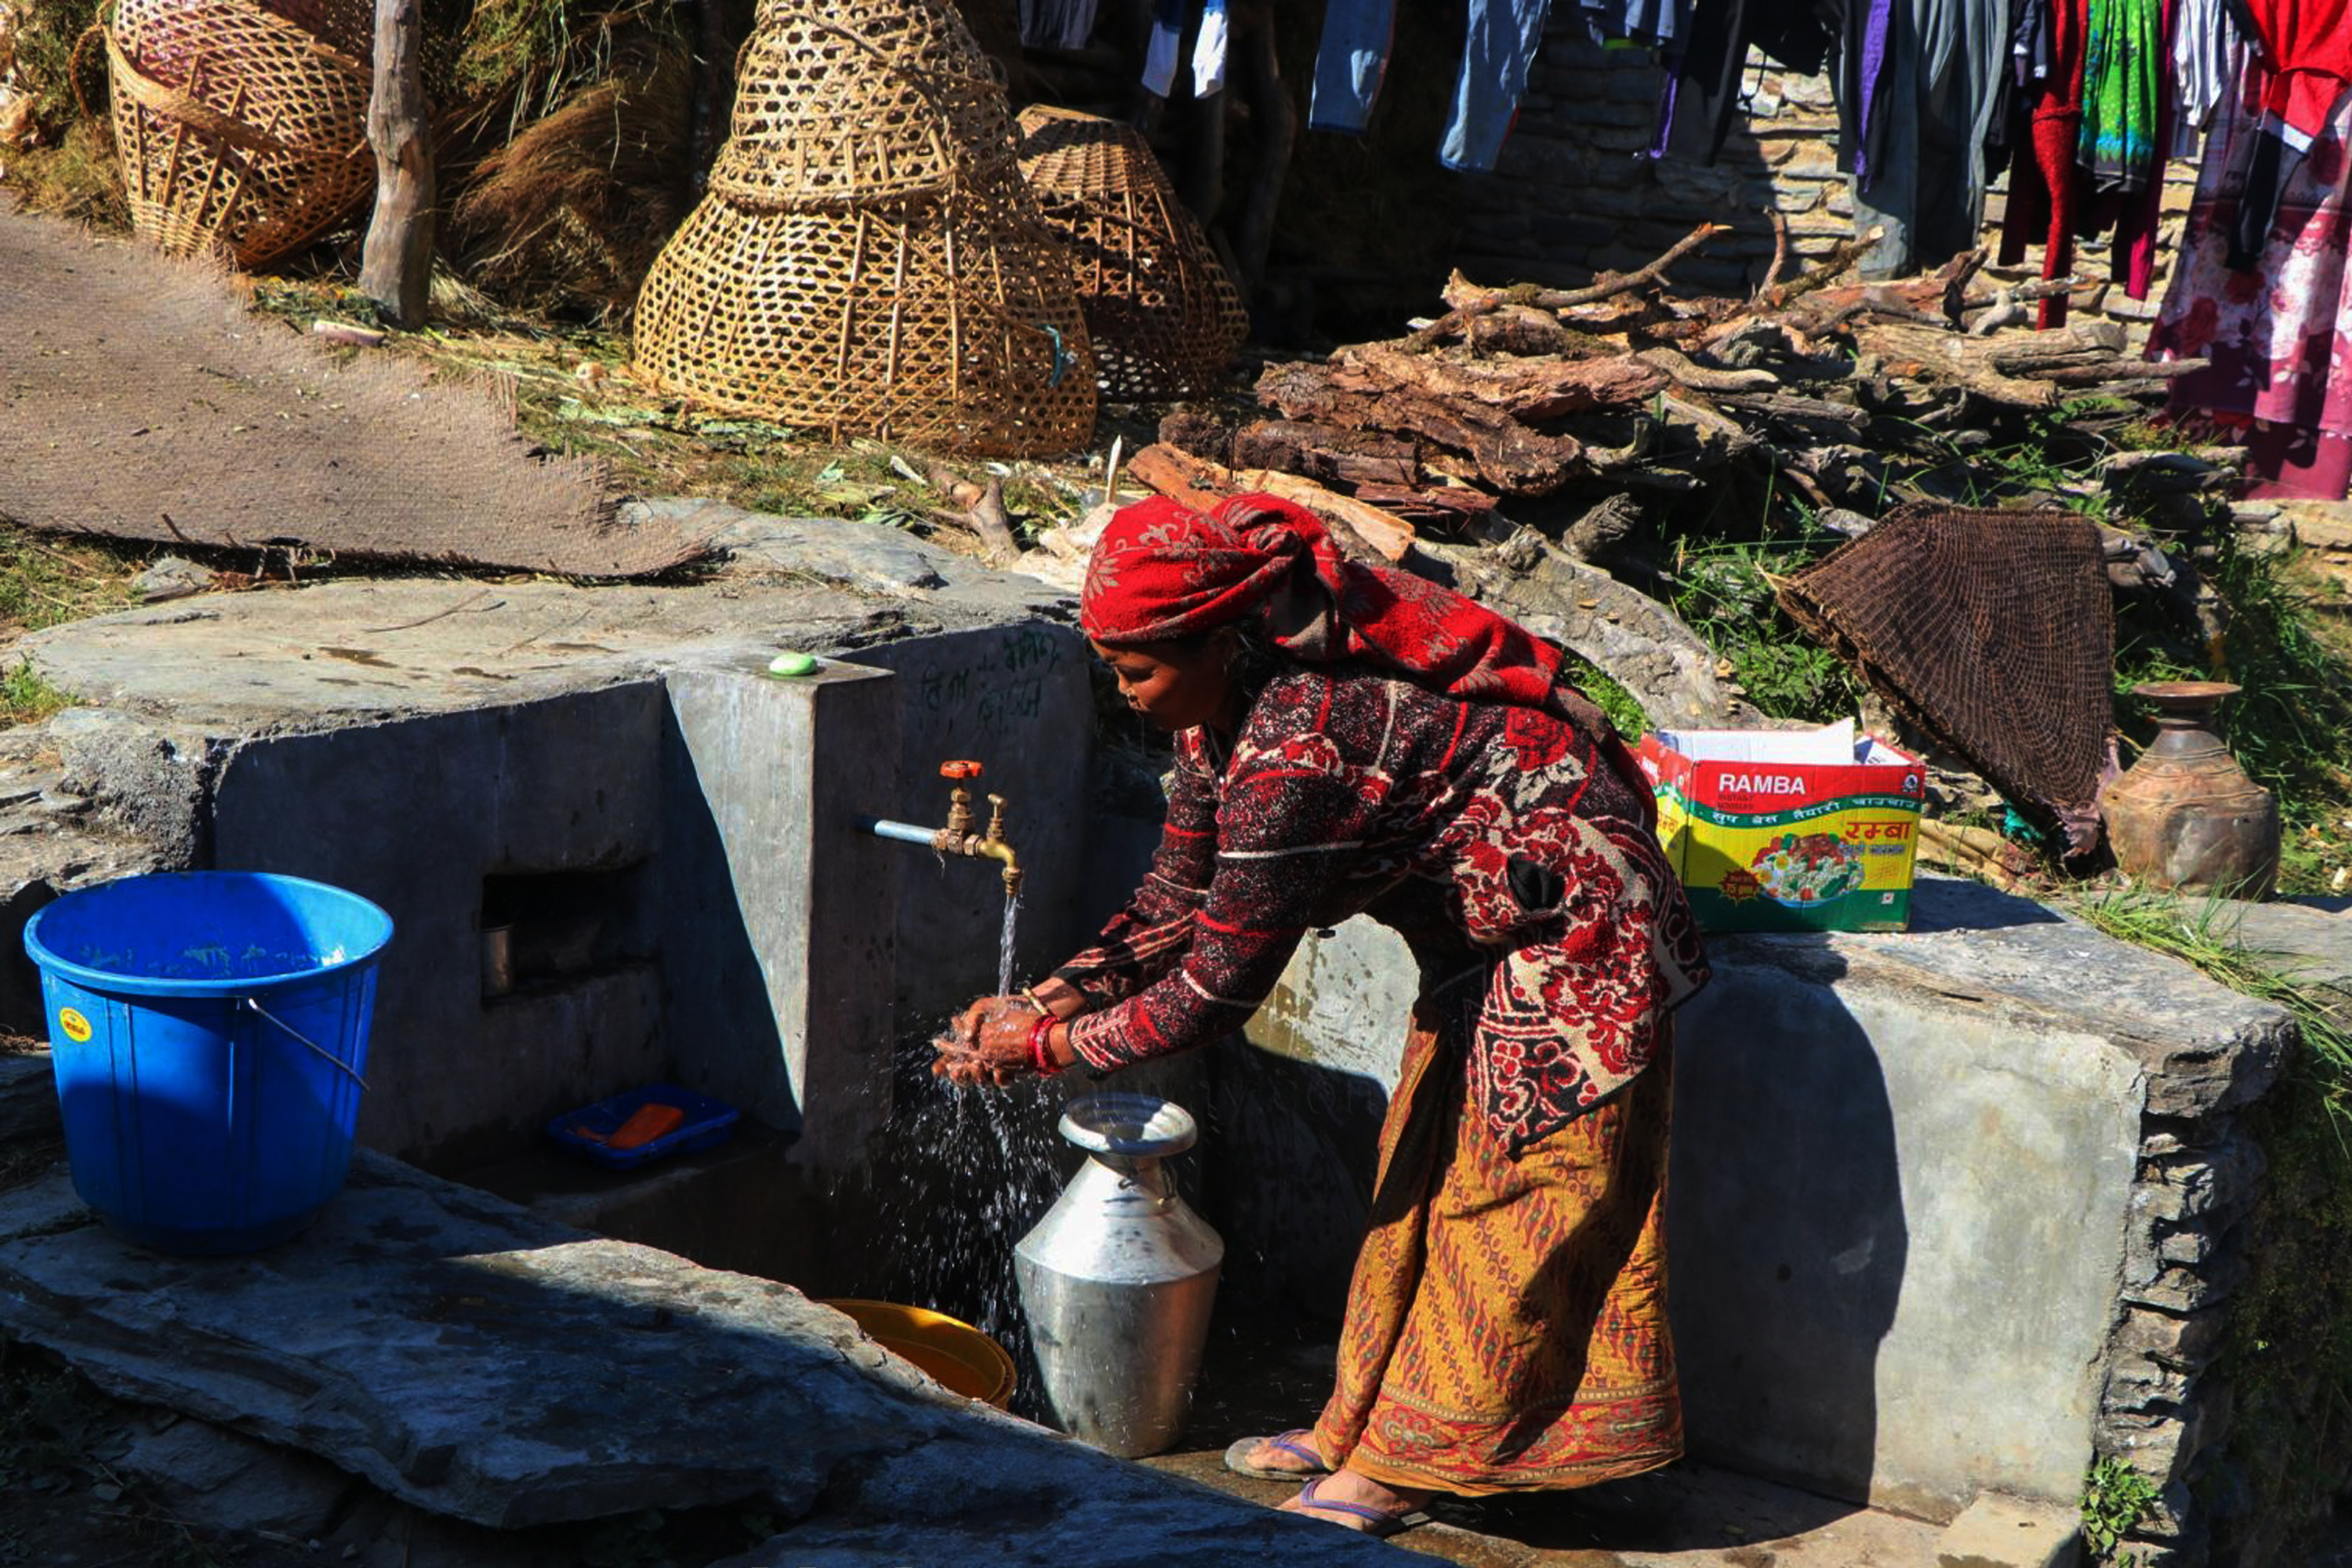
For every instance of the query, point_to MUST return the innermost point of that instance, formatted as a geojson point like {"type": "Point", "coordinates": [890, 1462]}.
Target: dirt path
{"type": "Point", "coordinates": [139, 400]}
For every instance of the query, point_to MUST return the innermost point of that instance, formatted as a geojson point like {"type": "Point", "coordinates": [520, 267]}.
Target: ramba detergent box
{"type": "Point", "coordinates": [1787, 829]}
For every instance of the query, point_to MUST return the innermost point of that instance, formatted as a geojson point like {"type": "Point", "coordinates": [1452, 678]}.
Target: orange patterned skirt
{"type": "Point", "coordinates": [1507, 1322]}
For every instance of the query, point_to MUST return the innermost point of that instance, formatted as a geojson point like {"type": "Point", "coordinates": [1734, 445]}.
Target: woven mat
{"type": "Point", "coordinates": [1990, 630]}
{"type": "Point", "coordinates": [139, 400]}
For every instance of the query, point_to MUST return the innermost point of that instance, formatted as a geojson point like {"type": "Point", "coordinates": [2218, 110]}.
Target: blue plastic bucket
{"type": "Point", "coordinates": [209, 1031]}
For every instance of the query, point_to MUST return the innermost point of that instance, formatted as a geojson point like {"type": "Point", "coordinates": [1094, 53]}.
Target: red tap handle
{"type": "Point", "coordinates": [959, 769]}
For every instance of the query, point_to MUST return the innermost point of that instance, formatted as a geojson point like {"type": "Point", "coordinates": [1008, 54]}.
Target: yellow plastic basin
{"type": "Point", "coordinates": [964, 1360]}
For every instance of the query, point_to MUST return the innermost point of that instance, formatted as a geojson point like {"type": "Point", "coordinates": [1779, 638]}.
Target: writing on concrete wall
{"type": "Point", "coordinates": [1005, 684]}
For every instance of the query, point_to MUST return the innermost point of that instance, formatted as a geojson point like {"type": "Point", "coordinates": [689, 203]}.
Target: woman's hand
{"type": "Point", "coordinates": [989, 1043]}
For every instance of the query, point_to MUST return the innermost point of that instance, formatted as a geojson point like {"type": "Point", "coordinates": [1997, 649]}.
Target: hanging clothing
{"type": "Point", "coordinates": [2205, 47]}
{"type": "Point", "coordinates": [1058, 24]}
{"type": "Point", "coordinates": [1209, 50]}
{"type": "Point", "coordinates": [1705, 88]}
{"type": "Point", "coordinates": [2045, 200]}
{"type": "Point", "coordinates": [2279, 334]}
{"type": "Point", "coordinates": [1350, 63]}
{"type": "Point", "coordinates": [1500, 46]}
{"type": "Point", "coordinates": [1648, 24]}
{"type": "Point", "coordinates": [2124, 68]}
{"type": "Point", "coordinates": [2306, 47]}
{"type": "Point", "coordinates": [1160, 49]}
{"type": "Point", "coordinates": [1919, 160]}
{"type": "Point", "coordinates": [1503, 35]}
{"type": "Point", "coordinates": [1564, 1376]}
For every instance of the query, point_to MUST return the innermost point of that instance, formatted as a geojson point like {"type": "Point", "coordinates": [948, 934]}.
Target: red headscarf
{"type": "Point", "coordinates": [1162, 570]}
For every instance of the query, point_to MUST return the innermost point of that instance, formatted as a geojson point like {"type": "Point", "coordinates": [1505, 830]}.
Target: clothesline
{"type": "Point", "coordinates": [2080, 102]}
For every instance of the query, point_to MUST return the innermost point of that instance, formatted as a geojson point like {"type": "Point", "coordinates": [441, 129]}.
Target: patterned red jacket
{"type": "Point", "coordinates": [1490, 837]}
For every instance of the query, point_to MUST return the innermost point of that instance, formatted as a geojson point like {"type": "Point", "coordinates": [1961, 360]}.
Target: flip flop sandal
{"type": "Point", "coordinates": [1297, 1443]}
{"type": "Point", "coordinates": [1377, 1521]}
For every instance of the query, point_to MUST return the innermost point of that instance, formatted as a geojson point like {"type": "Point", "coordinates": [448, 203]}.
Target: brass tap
{"type": "Point", "coordinates": [958, 837]}
{"type": "Point", "coordinates": [997, 848]}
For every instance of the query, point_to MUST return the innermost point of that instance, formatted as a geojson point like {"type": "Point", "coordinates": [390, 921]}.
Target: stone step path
{"type": "Point", "coordinates": [1689, 1515]}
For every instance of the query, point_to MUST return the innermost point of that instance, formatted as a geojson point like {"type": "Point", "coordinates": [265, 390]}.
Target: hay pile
{"type": "Point", "coordinates": [562, 129]}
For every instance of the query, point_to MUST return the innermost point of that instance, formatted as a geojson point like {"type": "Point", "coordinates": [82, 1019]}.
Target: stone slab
{"type": "Point", "coordinates": [471, 1359]}
{"type": "Point", "coordinates": [396, 646]}
{"type": "Point", "coordinates": [2310, 938]}
{"type": "Point", "coordinates": [1998, 1532]}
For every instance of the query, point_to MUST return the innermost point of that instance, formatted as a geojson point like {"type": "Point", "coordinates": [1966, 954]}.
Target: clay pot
{"type": "Point", "coordinates": [2186, 816]}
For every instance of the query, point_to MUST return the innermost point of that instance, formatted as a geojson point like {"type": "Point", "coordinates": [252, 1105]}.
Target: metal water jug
{"type": "Point", "coordinates": [1117, 1279]}
{"type": "Point", "coordinates": [2186, 816]}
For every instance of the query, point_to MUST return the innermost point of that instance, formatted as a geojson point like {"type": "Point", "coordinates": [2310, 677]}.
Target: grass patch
{"type": "Point", "coordinates": [2115, 1499]}
{"type": "Point", "coordinates": [1723, 591]}
{"type": "Point", "coordinates": [1624, 710]}
{"type": "Point", "coordinates": [46, 582]}
{"type": "Point", "coordinates": [26, 697]}
{"type": "Point", "coordinates": [2288, 1354]}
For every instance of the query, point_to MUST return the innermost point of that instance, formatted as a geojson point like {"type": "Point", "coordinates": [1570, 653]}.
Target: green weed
{"type": "Point", "coordinates": [2115, 1497]}
{"type": "Point", "coordinates": [1623, 709]}
{"type": "Point", "coordinates": [1724, 593]}
{"type": "Point", "coordinates": [26, 697]}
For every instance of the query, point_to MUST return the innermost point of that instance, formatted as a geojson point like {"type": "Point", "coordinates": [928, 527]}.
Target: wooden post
{"type": "Point", "coordinates": [396, 268]}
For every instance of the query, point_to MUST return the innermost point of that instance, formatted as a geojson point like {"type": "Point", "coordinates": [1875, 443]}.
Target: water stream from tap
{"type": "Point", "coordinates": [1004, 945]}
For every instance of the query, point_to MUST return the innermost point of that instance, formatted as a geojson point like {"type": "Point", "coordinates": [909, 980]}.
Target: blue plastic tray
{"type": "Point", "coordinates": [708, 1122]}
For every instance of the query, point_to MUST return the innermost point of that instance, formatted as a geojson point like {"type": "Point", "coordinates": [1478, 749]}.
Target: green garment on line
{"type": "Point", "coordinates": [2123, 53]}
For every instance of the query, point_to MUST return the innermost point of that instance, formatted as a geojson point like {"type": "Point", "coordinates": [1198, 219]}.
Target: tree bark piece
{"type": "Point", "coordinates": [396, 268]}
{"type": "Point", "coordinates": [1508, 455]}
{"type": "Point", "coordinates": [2009, 366]}
{"type": "Point", "coordinates": [1527, 390]}
{"type": "Point", "coordinates": [1451, 506]}
{"type": "Point", "coordinates": [1700, 378]}
{"type": "Point", "coordinates": [979, 509]}
{"type": "Point", "coordinates": [1323, 453]}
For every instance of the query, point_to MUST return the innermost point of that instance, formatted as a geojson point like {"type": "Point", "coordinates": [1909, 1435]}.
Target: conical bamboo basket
{"type": "Point", "coordinates": [869, 100]}
{"type": "Point", "coordinates": [238, 131]}
{"type": "Point", "coordinates": [870, 273]}
{"type": "Point", "coordinates": [948, 322]}
{"type": "Point", "coordinates": [1164, 317]}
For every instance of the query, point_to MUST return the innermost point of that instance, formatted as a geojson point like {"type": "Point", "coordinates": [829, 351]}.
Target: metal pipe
{"type": "Point", "coordinates": [946, 843]}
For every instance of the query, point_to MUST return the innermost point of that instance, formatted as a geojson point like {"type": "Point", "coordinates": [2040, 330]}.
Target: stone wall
{"type": "Point", "coordinates": [1946, 1218]}
{"type": "Point", "coordinates": [1574, 193]}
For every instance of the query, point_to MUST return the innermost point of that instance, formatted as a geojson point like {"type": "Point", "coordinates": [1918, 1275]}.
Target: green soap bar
{"type": "Point", "coordinates": [792, 664]}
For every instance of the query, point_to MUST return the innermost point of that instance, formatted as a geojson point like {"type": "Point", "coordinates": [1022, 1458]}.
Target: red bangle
{"type": "Point", "coordinates": [1041, 1047]}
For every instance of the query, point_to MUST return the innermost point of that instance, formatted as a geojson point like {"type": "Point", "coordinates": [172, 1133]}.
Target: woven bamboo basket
{"type": "Point", "coordinates": [1164, 317]}
{"type": "Point", "coordinates": [238, 130]}
{"type": "Point", "coordinates": [860, 100]}
{"type": "Point", "coordinates": [946, 321]}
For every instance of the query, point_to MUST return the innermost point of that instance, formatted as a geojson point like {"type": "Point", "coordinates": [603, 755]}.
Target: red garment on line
{"type": "Point", "coordinates": [2309, 46]}
{"type": "Point", "coordinates": [2043, 191]}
